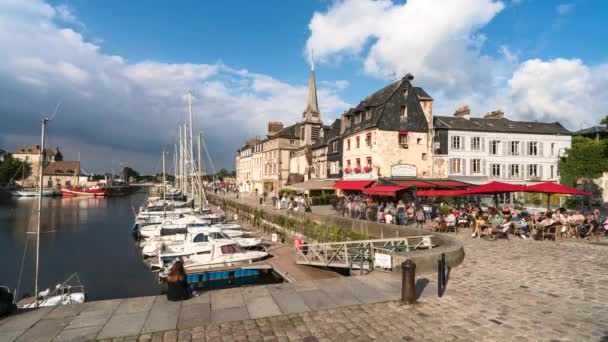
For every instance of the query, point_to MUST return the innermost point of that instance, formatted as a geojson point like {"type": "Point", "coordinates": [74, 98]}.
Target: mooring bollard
{"type": "Point", "coordinates": [441, 275]}
{"type": "Point", "coordinates": [408, 282]}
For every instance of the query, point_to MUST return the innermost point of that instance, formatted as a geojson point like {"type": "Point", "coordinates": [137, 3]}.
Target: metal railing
{"type": "Point", "coordinates": [357, 254]}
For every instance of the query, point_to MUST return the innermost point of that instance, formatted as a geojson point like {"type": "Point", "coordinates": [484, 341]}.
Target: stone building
{"type": "Point", "coordinates": [389, 134]}
{"type": "Point", "coordinates": [326, 161]}
{"type": "Point", "coordinates": [31, 155]}
{"type": "Point", "coordinates": [479, 150]}
{"type": "Point", "coordinates": [285, 155]}
{"type": "Point", "coordinates": [62, 174]}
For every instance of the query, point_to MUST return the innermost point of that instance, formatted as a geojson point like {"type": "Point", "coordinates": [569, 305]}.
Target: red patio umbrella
{"type": "Point", "coordinates": [554, 188]}
{"type": "Point", "coordinates": [494, 188]}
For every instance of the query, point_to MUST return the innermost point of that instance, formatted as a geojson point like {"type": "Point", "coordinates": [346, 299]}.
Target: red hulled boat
{"type": "Point", "coordinates": [91, 192]}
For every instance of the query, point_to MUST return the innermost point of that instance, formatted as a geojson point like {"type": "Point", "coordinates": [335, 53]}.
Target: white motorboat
{"type": "Point", "coordinates": [225, 253]}
{"type": "Point", "coordinates": [34, 193]}
{"type": "Point", "coordinates": [170, 243]}
{"type": "Point", "coordinates": [219, 254]}
{"type": "Point", "coordinates": [171, 227]}
{"type": "Point", "coordinates": [70, 291]}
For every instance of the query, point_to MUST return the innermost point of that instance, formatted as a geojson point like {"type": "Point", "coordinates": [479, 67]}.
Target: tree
{"type": "Point", "coordinates": [11, 169]}
{"type": "Point", "coordinates": [586, 160]}
{"type": "Point", "coordinates": [129, 173]}
{"type": "Point", "coordinates": [221, 174]}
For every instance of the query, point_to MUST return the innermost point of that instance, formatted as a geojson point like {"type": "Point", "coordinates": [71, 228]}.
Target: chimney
{"type": "Point", "coordinates": [274, 127]}
{"type": "Point", "coordinates": [497, 114]}
{"type": "Point", "coordinates": [343, 122]}
{"type": "Point", "coordinates": [463, 112]}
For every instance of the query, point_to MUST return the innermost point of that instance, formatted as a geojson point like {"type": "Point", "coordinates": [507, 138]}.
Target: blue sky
{"type": "Point", "coordinates": [122, 68]}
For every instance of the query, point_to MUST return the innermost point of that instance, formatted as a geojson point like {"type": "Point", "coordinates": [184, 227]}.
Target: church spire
{"type": "Point", "coordinates": [312, 106]}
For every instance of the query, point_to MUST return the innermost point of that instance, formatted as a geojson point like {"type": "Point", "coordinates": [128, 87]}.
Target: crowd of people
{"type": "Point", "coordinates": [483, 220]}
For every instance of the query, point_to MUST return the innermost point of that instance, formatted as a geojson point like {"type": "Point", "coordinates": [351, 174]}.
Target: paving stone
{"type": "Point", "coordinates": [288, 300]}
{"type": "Point", "coordinates": [194, 315]}
{"type": "Point", "coordinates": [123, 325]}
{"type": "Point", "coordinates": [229, 314]}
{"type": "Point", "coordinates": [137, 304]}
{"type": "Point", "coordinates": [44, 330]}
{"type": "Point", "coordinates": [78, 334]}
{"type": "Point", "coordinates": [229, 298]}
{"type": "Point", "coordinates": [163, 316]}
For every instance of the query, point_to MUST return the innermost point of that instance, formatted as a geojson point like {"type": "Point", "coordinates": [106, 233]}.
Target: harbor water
{"type": "Point", "coordinates": [89, 236]}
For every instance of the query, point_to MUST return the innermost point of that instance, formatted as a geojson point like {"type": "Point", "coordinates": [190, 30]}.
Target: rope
{"type": "Point", "coordinates": [15, 175]}
{"type": "Point", "coordinates": [21, 269]}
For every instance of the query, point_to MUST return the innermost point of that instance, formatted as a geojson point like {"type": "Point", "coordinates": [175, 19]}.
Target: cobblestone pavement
{"type": "Point", "coordinates": [504, 291]}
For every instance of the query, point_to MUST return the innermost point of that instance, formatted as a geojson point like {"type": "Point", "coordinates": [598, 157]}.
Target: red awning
{"type": "Point", "coordinates": [416, 183]}
{"type": "Point", "coordinates": [495, 188]}
{"type": "Point", "coordinates": [450, 184]}
{"type": "Point", "coordinates": [368, 134]}
{"type": "Point", "coordinates": [431, 193]}
{"type": "Point", "coordinates": [384, 190]}
{"type": "Point", "coordinates": [352, 185]}
{"type": "Point", "coordinates": [554, 188]}
{"type": "Point", "coordinates": [403, 132]}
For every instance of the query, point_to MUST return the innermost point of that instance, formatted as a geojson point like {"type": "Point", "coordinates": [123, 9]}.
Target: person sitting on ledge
{"type": "Point", "coordinates": [177, 286]}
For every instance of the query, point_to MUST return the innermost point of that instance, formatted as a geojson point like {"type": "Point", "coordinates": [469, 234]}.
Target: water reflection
{"type": "Point", "coordinates": [90, 236]}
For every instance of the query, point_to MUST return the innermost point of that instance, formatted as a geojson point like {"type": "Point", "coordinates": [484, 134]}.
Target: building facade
{"type": "Point", "coordinates": [479, 150]}
{"type": "Point", "coordinates": [285, 155]}
{"type": "Point", "coordinates": [31, 155]}
{"type": "Point", "coordinates": [389, 134]}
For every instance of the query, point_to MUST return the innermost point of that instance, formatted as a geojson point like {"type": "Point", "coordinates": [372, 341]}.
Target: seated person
{"type": "Point", "coordinates": [524, 227]}
{"type": "Point", "coordinates": [497, 224]}
{"type": "Point", "coordinates": [451, 219]}
{"type": "Point", "coordinates": [479, 221]}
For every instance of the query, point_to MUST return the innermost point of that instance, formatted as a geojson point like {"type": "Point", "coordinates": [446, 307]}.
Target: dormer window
{"type": "Point", "coordinates": [357, 118]}
{"type": "Point", "coordinates": [403, 112]}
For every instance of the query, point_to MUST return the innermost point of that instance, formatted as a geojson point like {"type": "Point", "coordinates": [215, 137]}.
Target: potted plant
{"type": "Point", "coordinates": [357, 170]}
{"type": "Point", "coordinates": [347, 170]}
{"type": "Point", "coordinates": [367, 168]}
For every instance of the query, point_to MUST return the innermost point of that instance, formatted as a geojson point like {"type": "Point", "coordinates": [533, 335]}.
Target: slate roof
{"type": "Point", "coordinates": [498, 125]}
{"type": "Point", "coordinates": [35, 149]}
{"type": "Point", "coordinates": [591, 131]}
{"type": "Point", "coordinates": [385, 106]}
{"type": "Point", "coordinates": [330, 132]}
{"type": "Point", "coordinates": [62, 168]}
{"type": "Point", "coordinates": [289, 132]}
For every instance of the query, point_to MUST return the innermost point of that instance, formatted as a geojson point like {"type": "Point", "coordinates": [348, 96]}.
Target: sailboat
{"type": "Point", "coordinates": [66, 292]}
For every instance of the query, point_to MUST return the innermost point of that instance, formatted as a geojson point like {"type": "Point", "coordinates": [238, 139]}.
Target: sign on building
{"type": "Point", "coordinates": [403, 170]}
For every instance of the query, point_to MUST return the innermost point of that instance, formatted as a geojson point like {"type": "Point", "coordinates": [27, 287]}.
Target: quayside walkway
{"type": "Point", "coordinates": [512, 290]}
{"type": "Point", "coordinates": [152, 315]}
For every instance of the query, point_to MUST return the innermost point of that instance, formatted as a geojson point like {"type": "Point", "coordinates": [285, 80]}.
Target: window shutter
{"type": "Point", "coordinates": [463, 165]}
{"type": "Point", "coordinates": [540, 148]}
{"type": "Point", "coordinates": [504, 148]}
{"type": "Point", "coordinates": [503, 171]}
{"type": "Point", "coordinates": [523, 148]}
{"type": "Point", "coordinates": [540, 171]}
{"type": "Point", "coordinates": [471, 166]}
{"type": "Point", "coordinates": [483, 167]}
{"type": "Point", "coordinates": [524, 171]}
{"type": "Point", "coordinates": [483, 143]}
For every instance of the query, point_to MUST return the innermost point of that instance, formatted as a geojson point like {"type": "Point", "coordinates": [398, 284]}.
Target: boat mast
{"type": "Point", "coordinates": [200, 170]}
{"type": "Point", "coordinates": [181, 161]}
{"type": "Point", "coordinates": [40, 180]}
{"type": "Point", "coordinates": [191, 142]}
{"type": "Point", "coordinates": [164, 188]}
{"type": "Point", "coordinates": [185, 158]}
{"type": "Point", "coordinates": [175, 184]}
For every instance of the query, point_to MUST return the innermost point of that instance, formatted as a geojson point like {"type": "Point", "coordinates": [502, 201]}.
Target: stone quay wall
{"type": "Point", "coordinates": [313, 227]}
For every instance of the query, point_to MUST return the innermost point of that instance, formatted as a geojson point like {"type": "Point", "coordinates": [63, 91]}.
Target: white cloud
{"type": "Point", "coordinates": [437, 41]}
{"type": "Point", "coordinates": [124, 107]}
{"type": "Point", "coordinates": [564, 90]}
{"type": "Point", "coordinates": [564, 8]}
